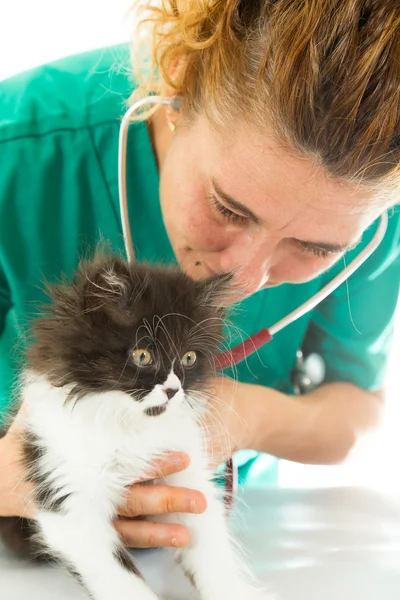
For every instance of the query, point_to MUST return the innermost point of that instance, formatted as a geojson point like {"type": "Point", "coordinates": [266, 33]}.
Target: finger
{"type": "Point", "coordinates": [145, 534]}
{"type": "Point", "coordinates": [17, 421]}
{"type": "Point", "coordinates": [143, 500]}
{"type": "Point", "coordinates": [171, 463]}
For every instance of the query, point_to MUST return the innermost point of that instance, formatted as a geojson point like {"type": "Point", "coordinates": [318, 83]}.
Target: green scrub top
{"type": "Point", "coordinates": [59, 127]}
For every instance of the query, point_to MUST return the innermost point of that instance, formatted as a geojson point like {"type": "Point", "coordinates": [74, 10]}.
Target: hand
{"type": "Point", "coordinates": [150, 500]}
{"type": "Point", "coordinates": [142, 500]}
{"type": "Point", "coordinates": [15, 494]}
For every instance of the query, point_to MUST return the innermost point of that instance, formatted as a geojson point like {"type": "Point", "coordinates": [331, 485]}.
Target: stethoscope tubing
{"type": "Point", "coordinates": [247, 347]}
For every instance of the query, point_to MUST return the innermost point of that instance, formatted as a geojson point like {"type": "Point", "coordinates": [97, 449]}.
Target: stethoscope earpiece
{"type": "Point", "coordinates": [175, 103]}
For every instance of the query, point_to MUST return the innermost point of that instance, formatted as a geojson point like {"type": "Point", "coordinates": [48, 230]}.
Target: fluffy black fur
{"type": "Point", "coordinates": [85, 338]}
{"type": "Point", "coordinates": [109, 309]}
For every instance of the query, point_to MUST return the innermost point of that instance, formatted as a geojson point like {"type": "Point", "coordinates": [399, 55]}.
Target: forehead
{"type": "Point", "coordinates": [290, 192]}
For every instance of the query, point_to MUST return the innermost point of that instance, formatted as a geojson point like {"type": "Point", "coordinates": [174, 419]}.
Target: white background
{"type": "Point", "coordinates": [33, 32]}
{"type": "Point", "coordinates": [37, 31]}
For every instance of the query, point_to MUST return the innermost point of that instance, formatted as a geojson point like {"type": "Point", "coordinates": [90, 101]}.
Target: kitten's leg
{"type": "Point", "coordinates": [92, 551]}
{"type": "Point", "coordinates": [211, 560]}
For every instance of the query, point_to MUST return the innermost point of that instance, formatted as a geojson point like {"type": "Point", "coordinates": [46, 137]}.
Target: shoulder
{"type": "Point", "coordinates": [72, 93]}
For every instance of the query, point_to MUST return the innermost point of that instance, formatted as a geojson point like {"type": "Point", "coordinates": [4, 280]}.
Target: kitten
{"type": "Point", "coordinates": [114, 380]}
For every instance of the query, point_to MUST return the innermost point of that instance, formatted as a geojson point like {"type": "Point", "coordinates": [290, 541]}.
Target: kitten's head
{"type": "Point", "coordinates": [148, 332]}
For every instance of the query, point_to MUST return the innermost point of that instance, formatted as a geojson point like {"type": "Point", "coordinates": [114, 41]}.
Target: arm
{"type": "Point", "coordinates": [352, 330]}
{"type": "Point", "coordinates": [319, 428]}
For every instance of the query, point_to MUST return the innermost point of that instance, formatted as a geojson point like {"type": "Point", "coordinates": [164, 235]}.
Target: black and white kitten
{"type": "Point", "coordinates": [113, 381]}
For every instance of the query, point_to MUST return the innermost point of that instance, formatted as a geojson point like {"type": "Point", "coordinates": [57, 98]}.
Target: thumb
{"type": "Point", "coordinates": [18, 424]}
{"type": "Point", "coordinates": [16, 493]}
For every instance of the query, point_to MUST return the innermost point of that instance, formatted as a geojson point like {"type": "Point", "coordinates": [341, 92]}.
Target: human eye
{"type": "Point", "coordinates": [315, 250]}
{"type": "Point", "coordinates": [226, 213]}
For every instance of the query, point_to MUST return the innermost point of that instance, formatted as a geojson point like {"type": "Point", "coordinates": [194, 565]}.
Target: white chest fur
{"type": "Point", "coordinates": [91, 450]}
{"type": "Point", "coordinates": [103, 442]}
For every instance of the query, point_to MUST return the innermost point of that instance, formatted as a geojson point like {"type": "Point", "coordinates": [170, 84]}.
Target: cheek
{"type": "Point", "coordinates": [186, 212]}
{"type": "Point", "coordinates": [200, 231]}
{"type": "Point", "coordinates": [185, 207]}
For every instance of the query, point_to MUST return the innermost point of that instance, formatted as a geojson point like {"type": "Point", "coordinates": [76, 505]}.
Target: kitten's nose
{"type": "Point", "coordinates": [170, 392]}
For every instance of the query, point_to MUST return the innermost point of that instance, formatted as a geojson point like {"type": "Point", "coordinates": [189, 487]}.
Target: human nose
{"type": "Point", "coordinates": [251, 261]}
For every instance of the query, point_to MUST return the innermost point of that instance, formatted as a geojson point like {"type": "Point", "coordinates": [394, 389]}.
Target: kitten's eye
{"type": "Point", "coordinates": [142, 357]}
{"type": "Point", "coordinates": [189, 359]}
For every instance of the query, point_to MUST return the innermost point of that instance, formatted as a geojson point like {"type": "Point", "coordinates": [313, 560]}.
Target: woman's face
{"type": "Point", "coordinates": [236, 202]}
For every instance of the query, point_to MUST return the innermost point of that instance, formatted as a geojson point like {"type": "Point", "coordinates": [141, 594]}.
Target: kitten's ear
{"type": "Point", "coordinates": [106, 274]}
{"type": "Point", "coordinates": [217, 291]}
{"type": "Point", "coordinates": [105, 282]}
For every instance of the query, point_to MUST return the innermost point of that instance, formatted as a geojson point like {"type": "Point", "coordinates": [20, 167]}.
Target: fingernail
{"type": "Point", "coordinates": [179, 459]}
{"type": "Point", "coordinates": [193, 507]}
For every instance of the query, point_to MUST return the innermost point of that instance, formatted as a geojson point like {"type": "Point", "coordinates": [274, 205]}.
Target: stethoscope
{"type": "Point", "coordinates": [253, 343]}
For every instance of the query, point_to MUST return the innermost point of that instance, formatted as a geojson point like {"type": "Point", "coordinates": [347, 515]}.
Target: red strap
{"type": "Point", "coordinates": [244, 349]}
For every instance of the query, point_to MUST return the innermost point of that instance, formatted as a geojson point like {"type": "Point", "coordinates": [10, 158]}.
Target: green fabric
{"type": "Point", "coordinates": [59, 127]}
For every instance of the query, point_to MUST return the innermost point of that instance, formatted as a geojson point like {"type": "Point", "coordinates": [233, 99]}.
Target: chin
{"type": "Point", "coordinates": [271, 284]}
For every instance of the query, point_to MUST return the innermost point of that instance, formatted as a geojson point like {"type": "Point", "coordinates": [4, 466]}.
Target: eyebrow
{"type": "Point", "coordinates": [246, 212]}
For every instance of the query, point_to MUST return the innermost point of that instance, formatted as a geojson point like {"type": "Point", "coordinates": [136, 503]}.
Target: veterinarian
{"type": "Point", "coordinates": [279, 163]}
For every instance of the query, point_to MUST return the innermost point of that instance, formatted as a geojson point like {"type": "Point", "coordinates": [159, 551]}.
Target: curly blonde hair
{"type": "Point", "coordinates": [322, 75]}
